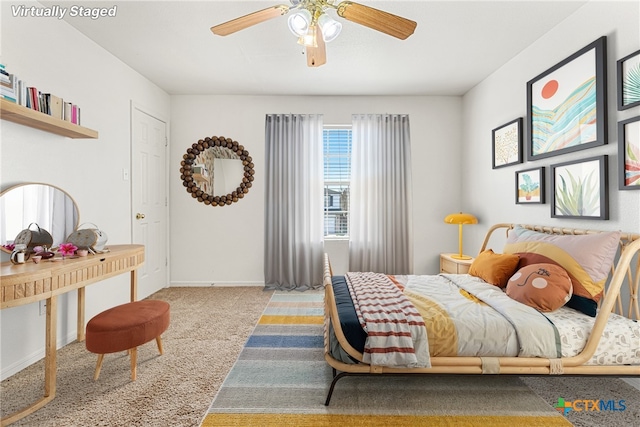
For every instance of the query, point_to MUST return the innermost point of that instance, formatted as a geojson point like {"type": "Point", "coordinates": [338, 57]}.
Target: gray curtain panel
{"type": "Point", "coordinates": [381, 228]}
{"type": "Point", "coordinates": [294, 246]}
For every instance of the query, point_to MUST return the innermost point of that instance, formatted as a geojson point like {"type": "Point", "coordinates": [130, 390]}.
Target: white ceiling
{"type": "Point", "coordinates": [455, 46]}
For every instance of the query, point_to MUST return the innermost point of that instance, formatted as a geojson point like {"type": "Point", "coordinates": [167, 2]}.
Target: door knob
{"type": "Point", "coordinates": [139, 216]}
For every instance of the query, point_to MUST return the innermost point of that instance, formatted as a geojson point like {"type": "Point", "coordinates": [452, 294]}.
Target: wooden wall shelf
{"type": "Point", "coordinates": [35, 119]}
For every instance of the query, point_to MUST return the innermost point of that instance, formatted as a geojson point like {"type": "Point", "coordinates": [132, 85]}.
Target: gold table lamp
{"type": "Point", "coordinates": [460, 219]}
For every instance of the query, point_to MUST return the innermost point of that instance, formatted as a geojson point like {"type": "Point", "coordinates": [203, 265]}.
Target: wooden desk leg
{"type": "Point", "coordinates": [81, 313]}
{"type": "Point", "coordinates": [50, 347]}
{"type": "Point", "coordinates": [49, 365]}
{"type": "Point", "coordinates": [134, 285]}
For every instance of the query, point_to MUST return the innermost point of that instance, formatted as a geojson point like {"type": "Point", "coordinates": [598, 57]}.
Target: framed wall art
{"type": "Point", "coordinates": [629, 154]}
{"type": "Point", "coordinates": [567, 104]}
{"type": "Point", "coordinates": [629, 81]}
{"type": "Point", "coordinates": [530, 186]}
{"type": "Point", "coordinates": [507, 144]}
{"type": "Point", "coordinates": [580, 189]}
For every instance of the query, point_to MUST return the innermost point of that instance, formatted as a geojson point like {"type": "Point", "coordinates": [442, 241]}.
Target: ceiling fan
{"type": "Point", "coordinates": [314, 27]}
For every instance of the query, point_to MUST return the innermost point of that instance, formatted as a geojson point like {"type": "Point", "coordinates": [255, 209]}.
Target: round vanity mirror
{"type": "Point", "coordinates": [52, 208]}
{"type": "Point", "coordinates": [217, 171]}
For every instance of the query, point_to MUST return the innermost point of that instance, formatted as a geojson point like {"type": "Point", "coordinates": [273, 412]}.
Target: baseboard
{"type": "Point", "coordinates": [34, 357]}
{"type": "Point", "coordinates": [199, 284]}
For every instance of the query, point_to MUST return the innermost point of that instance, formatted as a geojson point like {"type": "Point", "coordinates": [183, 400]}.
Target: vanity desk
{"type": "Point", "coordinates": [26, 283]}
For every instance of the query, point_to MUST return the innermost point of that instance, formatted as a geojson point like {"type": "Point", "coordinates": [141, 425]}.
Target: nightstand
{"type": "Point", "coordinates": [454, 266]}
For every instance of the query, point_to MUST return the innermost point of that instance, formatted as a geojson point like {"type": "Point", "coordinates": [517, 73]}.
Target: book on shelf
{"type": "Point", "coordinates": [9, 87]}
{"type": "Point", "coordinates": [67, 111]}
{"type": "Point", "coordinates": [34, 99]}
{"type": "Point", "coordinates": [15, 90]}
{"type": "Point", "coordinates": [71, 113]}
{"type": "Point", "coordinates": [55, 106]}
{"type": "Point", "coordinates": [22, 93]}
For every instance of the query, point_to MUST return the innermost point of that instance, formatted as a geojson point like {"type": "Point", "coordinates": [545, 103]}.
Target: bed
{"type": "Point", "coordinates": [550, 301]}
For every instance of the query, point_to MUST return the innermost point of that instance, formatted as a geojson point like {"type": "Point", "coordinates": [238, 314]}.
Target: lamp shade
{"type": "Point", "coordinates": [460, 218]}
{"type": "Point", "coordinates": [299, 22]}
{"type": "Point", "coordinates": [330, 27]}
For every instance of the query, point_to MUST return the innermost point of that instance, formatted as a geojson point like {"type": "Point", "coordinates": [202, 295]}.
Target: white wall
{"type": "Point", "coordinates": [490, 194]}
{"type": "Point", "coordinates": [225, 244]}
{"type": "Point", "coordinates": [58, 59]}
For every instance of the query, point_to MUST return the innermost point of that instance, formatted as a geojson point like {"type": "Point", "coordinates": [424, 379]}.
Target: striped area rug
{"type": "Point", "coordinates": [282, 379]}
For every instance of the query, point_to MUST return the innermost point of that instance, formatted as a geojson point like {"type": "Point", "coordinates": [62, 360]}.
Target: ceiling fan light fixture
{"type": "Point", "coordinates": [330, 27]}
{"type": "Point", "coordinates": [300, 22]}
{"type": "Point", "coordinates": [313, 28]}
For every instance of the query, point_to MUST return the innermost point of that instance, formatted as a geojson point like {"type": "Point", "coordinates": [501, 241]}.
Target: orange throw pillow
{"type": "Point", "coordinates": [494, 268]}
{"type": "Point", "coordinates": [545, 287]}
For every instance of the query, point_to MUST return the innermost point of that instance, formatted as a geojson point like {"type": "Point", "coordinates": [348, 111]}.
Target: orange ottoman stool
{"type": "Point", "coordinates": [125, 327]}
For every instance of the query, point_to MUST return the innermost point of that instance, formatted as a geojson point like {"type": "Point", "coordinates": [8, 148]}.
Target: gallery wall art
{"type": "Point", "coordinates": [629, 154]}
{"type": "Point", "coordinates": [566, 105]}
{"type": "Point", "coordinates": [580, 189]}
{"type": "Point", "coordinates": [629, 81]}
{"type": "Point", "coordinates": [530, 186]}
{"type": "Point", "coordinates": [507, 144]}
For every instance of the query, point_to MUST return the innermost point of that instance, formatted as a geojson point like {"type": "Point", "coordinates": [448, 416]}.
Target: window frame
{"type": "Point", "coordinates": [326, 183]}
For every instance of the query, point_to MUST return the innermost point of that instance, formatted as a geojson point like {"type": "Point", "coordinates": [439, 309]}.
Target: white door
{"type": "Point", "coordinates": [149, 198]}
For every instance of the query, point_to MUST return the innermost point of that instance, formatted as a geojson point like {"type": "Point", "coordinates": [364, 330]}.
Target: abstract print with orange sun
{"type": "Point", "coordinates": [563, 109]}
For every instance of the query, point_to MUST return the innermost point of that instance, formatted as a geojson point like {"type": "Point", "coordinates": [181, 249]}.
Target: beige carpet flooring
{"type": "Point", "coordinates": [209, 327]}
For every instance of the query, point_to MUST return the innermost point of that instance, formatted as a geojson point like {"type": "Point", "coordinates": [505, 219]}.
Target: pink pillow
{"type": "Point", "coordinates": [587, 258]}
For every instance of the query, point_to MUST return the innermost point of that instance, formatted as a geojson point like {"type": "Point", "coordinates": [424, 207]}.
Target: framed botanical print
{"type": "Point", "coordinates": [567, 104]}
{"type": "Point", "coordinates": [530, 186]}
{"type": "Point", "coordinates": [580, 189]}
{"type": "Point", "coordinates": [629, 154]}
{"type": "Point", "coordinates": [507, 144]}
{"type": "Point", "coordinates": [629, 81]}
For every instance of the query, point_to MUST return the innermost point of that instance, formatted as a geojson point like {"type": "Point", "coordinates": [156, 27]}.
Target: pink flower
{"type": "Point", "coordinates": [67, 249]}
{"type": "Point", "coordinates": [9, 247]}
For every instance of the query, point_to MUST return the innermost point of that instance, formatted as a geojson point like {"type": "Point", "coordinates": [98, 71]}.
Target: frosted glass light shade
{"type": "Point", "coordinates": [330, 27]}
{"type": "Point", "coordinates": [299, 22]}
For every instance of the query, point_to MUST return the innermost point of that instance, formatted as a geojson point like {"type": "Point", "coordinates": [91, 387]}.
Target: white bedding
{"type": "Point", "coordinates": [499, 326]}
{"type": "Point", "coordinates": [620, 343]}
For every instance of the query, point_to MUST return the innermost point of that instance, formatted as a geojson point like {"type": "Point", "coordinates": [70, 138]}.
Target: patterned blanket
{"type": "Point", "coordinates": [397, 336]}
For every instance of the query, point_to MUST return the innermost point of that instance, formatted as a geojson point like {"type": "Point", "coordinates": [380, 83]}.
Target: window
{"type": "Point", "coordinates": [336, 142]}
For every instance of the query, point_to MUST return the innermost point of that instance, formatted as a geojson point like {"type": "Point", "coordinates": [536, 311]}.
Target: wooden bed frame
{"type": "Point", "coordinates": [626, 271]}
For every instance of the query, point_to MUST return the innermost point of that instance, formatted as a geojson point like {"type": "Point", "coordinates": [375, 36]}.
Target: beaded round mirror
{"type": "Point", "coordinates": [217, 171]}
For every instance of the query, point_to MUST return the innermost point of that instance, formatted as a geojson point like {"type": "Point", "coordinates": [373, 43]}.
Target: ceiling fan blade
{"type": "Point", "coordinates": [376, 19]}
{"type": "Point", "coordinates": [246, 21]}
{"type": "Point", "coordinates": [317, 56]}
